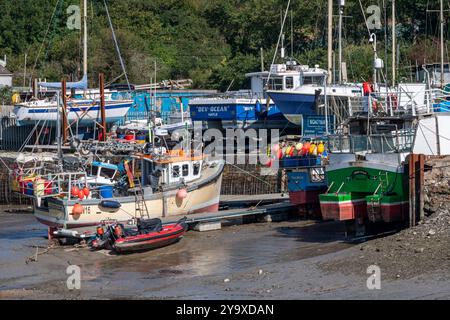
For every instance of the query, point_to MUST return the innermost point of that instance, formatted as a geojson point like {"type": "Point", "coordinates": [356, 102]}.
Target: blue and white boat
{"type": "Point", "coordinates": [83, 111]}
{"type": "Point", "coordinates": [247, 108]}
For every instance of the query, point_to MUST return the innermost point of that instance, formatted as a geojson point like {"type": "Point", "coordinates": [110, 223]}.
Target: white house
{"type": "Point", "coordinates": [5, 75]}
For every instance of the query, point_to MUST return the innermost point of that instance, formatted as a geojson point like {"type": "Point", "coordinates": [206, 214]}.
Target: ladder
{"type": "Point", "coordinates": [384, 182]}
{"type": "Point", "coordinates": [140, 205]}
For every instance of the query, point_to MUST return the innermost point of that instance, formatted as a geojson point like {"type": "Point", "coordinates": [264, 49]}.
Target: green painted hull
{"type": "Point", "coordinates": [365, 190]}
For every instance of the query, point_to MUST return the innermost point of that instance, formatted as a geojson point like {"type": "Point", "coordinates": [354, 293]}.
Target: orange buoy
{"type": "Point", "coordinates": [118, 231]}
{"type": "Point", "coordinates": [75, 191]}
{"type": "Point", "coordinates": [182, 194]}
{"type": "Point", "coordinates": [306, 147]}
{"type": "Point", "coordinates": [100, 231]}
{"type": "Point", "coordinates": [77, 209]}
{"type": "Point", "coordinates": [86, 191]}
{"type": "Point", "coordinates": [81, 195]}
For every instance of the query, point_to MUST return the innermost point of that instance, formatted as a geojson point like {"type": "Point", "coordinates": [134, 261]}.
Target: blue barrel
{"type": "Point", "coordinates": [141, 137]}
{"type": "Point", "coordinates": [106, 192]}
{"type": "Point", "coordinates": [30, 188]}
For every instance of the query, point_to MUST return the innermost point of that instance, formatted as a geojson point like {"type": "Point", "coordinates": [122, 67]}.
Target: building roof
{"type": "Point", "coordinates": [4, 71]}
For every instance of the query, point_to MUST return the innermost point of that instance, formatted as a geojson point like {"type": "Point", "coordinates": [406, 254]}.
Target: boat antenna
{"type": "Point", "coordinates": [85, 39]}
{"type": "Point", "coordinates": [117, 45]}
{"type": "Point", "coordinates": [292, 36]}
{"type": "Point", "coordinates": [278, 42]}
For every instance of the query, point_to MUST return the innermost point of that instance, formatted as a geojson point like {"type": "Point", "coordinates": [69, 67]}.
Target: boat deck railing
{"type": "Point", "coordinates": [399, 142]}
{"type": "Point", "coordinates": [400, 102]}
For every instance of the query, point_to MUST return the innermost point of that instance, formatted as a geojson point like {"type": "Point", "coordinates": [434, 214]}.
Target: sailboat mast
{"type": "Point", "coordinates": [84, 37]}
{"type": "Point", "coordinates": [394, 45]}
{"type": "Point", "coordinates": [441, 14]}
{"type": "Point", "coordinates": [330, 41]}
{"type": "Point", "coordinates": [341, 4]}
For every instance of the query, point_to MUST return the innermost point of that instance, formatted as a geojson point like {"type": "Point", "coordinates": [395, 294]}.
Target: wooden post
{"type": "Point", "coordinates": [102, 105]}
{"type": "Point", "coordinates": [33, 88]}
{"type": "Point", "coordinates": [64, 111]}
{"type": "Point", "coordinates": [416, 190]}
{"type": "Point", "coordinates": [412, 189]}
{"type": "Point", "coordinates": [421, 182]}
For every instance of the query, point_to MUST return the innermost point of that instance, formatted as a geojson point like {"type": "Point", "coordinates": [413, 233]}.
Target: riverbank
{"type": "Point", "coordinates": [285, 260]}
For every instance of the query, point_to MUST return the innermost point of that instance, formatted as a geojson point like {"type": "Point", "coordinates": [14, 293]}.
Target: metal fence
{"type": "Point", "coordinates": [374, 143]}
{"type": "Point", "coordinates": [12, 136]}
{"type": "Point", "coordinates": [141, 115]}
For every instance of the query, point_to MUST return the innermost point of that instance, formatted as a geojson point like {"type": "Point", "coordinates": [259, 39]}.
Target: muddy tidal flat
{"type": "Point", "coordinates": [288, 260]}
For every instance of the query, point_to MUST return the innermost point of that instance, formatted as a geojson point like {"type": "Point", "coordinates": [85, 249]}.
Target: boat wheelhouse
{"type": "Point", "coordinates": [306, 97]}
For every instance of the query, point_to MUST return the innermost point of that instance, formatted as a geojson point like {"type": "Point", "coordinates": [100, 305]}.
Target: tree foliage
{"type": "Point", "coordinates": [214, 42]}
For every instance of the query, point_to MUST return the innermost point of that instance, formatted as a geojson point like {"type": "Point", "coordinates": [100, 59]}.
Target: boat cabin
{"type": "Point", "coordinates": [102, 173]}
{"type": "Point", "coordinates": [171, 171]}
{"type": "Point", "coordinates": [285, 77]}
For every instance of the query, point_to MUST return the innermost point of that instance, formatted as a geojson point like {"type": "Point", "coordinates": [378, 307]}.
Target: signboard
{"type": "Point", "coordinates": [315, 125]}
{"type": "Point", "coordinates": [219, 112]}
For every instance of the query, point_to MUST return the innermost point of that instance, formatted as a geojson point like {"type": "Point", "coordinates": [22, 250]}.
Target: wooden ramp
{"type": "Point", "coordinates": [247, 200]}
{"type": "Point", "coordinates": [271, 210]}
{"type": "Point", "coordinates": [276, 208]}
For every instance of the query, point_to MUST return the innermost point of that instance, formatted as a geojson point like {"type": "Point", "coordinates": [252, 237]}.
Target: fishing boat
{"type": "Point", "coordinates": [170, 183]}
{"type": "Point", "coordinates": [367, 174]}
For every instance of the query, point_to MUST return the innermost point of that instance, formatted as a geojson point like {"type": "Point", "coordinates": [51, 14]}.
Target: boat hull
{"type": "Point", "coordinates": [373, 190]}
{"type": "Point", "coordinates": [302, 190]}
{"type": "Point", "coordinates": [236, 113]}
{"type": "Point", "coordinates": [81, 113]}
{"type": "Point", "coordinates": [293, 105]}
{"type": "Point", "coordinates": [154, 240]}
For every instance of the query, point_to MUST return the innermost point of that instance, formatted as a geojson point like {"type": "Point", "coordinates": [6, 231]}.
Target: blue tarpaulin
{"type": "Point", "coordinates": [82, 84]}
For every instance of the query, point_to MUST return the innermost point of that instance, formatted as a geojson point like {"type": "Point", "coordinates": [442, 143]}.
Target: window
{"type": "Point", "coordinates": [94, 170]}
{"type": "Point", "coordinates": [176, 171]}
{"type": "Point", "coordinates": [107, 173]}
{"type": "Point", "coordinates": [289, 82]}
{"type": "Point", "coordinates": [313, 80]}
{"type": "Point", "coordinates": [185, 170]}
{"type": "Point", "coordinates": [196, 168]}
{"type": "Point", "coordinates": [275, 83]}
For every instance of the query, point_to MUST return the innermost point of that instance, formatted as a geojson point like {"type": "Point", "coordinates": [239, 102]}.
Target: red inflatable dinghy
{"type": "Point", "coordinates": [148, 240]}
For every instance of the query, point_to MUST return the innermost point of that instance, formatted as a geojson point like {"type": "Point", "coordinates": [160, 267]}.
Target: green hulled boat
{"type": "Point", "coordinates": [368, 173]}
